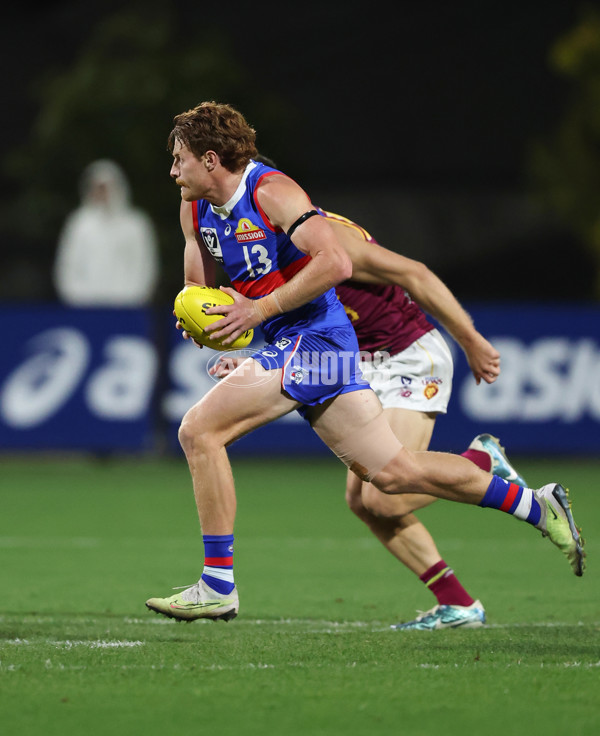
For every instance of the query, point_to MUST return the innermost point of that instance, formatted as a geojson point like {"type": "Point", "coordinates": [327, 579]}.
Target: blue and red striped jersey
{"type": "Point", "coordinates": [256, 255]}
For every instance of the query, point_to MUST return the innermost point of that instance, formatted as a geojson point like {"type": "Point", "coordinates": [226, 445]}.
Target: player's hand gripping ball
{"type": "Point", "coordinates": [190, 309]}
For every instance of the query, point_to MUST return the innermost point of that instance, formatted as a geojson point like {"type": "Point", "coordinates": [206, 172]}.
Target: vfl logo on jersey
{"type": "Point", "coordinates": [246, 232]}
{"type": "Point", "coordinates": [211, 241]}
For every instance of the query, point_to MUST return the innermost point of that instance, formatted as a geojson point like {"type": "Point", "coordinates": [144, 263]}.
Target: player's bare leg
{"type": "Point", "coordinates": [372, 452]}
{"type": "Point", "coordinates": [244, 400]}
{"type": "Point", "coordinates": [391, 520]}
{"type": "Point", "coordinates": [390, 517]}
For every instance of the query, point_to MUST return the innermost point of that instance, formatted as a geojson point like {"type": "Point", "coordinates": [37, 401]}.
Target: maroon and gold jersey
{"type": "Point", "coordinates": [385, 318]}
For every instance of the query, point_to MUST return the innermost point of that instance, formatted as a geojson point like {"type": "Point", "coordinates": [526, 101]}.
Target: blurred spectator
{"type": "Point", "coordinates": [107, 251]}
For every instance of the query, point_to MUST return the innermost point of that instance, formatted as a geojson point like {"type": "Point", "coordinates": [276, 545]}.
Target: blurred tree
{"type": "Point", "coordinates": [138, 68]}
{"type": "Point", "coordinates": [565, 167]}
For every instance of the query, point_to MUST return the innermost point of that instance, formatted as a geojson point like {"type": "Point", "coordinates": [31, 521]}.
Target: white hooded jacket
{"type": "Point", "coordinates": [107, 251]}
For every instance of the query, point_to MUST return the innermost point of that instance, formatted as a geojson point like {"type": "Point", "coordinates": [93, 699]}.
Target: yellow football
{"type": "Point", "coordinates": [190, 309]}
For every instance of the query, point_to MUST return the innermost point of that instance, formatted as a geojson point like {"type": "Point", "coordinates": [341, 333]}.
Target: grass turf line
{"type": "Point", "coordinates": [85, 543]}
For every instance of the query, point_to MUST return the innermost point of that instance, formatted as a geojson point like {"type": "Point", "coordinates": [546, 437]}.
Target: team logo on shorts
{"type": "Point", "coordinates": [297, 375]}
{"type": "Point", "coordinates": [430, 390]}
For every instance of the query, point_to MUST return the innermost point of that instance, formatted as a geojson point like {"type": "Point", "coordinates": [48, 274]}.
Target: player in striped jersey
{"type": "Point", "coordinates": [413, 384]}
{"type": "Point", "coordinates": [286, 270]}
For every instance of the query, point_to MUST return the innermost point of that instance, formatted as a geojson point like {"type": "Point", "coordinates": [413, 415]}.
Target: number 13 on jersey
{"type": "Point", "coordinates": [260, 256]}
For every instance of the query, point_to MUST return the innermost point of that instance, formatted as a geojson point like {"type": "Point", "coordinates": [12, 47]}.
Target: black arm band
{"type": "Point", "coordinates": [300, 220]}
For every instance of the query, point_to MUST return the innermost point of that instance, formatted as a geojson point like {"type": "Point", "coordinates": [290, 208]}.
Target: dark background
{"type": "Point", "coordinates": [417, 121]}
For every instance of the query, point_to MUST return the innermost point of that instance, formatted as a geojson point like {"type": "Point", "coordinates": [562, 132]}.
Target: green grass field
{"type": "Point", "coordinates": [84, 543]}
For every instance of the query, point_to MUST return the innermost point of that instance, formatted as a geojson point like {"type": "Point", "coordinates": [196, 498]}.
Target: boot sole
{"type": "Point", "coordinates": [225, 616]}
{"type": "Point", "coordinates": [562, 496]}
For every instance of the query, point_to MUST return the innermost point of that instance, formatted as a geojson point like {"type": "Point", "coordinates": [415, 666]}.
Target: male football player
{"type": "Point", "coordinates": [284, 279]}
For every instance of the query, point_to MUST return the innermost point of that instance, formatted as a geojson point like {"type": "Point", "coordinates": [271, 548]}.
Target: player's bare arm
{"type": "Point", "coordinates": [372, 263]}
{"type": "Point", "coordinates": [283, 202]}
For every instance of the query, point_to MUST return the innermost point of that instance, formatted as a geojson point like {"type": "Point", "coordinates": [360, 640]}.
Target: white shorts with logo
{"type": "Point", "coordinates": [418, 378]}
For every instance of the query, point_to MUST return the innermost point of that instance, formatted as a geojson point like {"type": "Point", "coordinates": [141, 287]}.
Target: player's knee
{"type": "Point", "coordinates": [354, 502]}
{"type": "Point", "coordinates": [185, 436]}
{"type": "Point", "coordinates": [391, 483]}
{"type": "Point", "coordinates": [380, 504]}
{"type": "Point", "coordinates": [193, 434]}
{"type": "Point", "coordinates": [401, 475]}
{"type": "Point", "coordinates": [397, 507]}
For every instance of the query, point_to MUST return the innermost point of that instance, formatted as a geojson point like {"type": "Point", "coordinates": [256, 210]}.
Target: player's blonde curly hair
{"type": "Point", "coordinates": [218, 127]}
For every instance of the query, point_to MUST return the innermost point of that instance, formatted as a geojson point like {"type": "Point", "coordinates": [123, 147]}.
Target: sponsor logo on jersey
{"type": "Point", "coordinates": [247, 232]}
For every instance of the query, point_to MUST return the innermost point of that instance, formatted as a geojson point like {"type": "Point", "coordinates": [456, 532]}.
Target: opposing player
{"type": "Point", "coordinates": [283, 260]}
{"type": "Point", "coordinates": [413, 382]}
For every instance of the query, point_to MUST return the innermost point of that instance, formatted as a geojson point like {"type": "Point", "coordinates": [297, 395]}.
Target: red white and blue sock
{"type": "Point", "coordinates": [218, 562]}
{"type": "Point", "coordinates": [513, 499]}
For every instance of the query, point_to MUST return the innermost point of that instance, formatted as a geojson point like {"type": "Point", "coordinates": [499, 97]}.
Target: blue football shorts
{"type": "Point", "coordinates": [316, 364]}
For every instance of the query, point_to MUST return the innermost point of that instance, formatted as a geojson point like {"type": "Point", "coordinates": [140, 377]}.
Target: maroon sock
{"type": "Point", "coordinates": [443, 583]}
{"type": "Point", "coordinates": [480, 458]}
